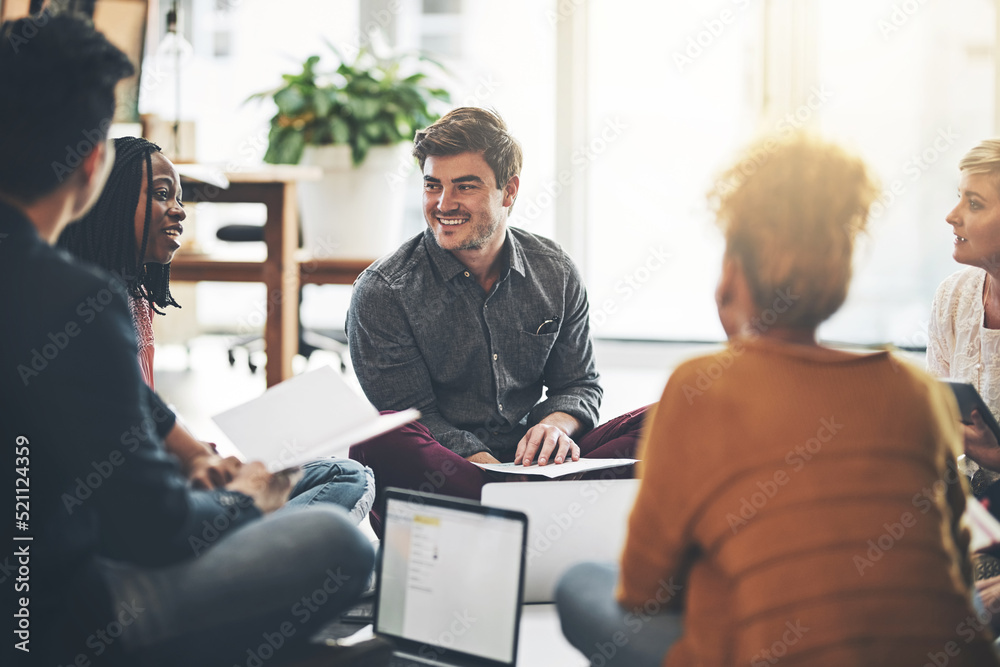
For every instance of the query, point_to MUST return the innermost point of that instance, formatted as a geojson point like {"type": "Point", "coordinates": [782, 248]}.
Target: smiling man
{"type": "Point", "coordinates": [469, 322]}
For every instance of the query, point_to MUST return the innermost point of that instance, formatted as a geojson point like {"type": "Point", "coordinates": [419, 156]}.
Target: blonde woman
{"type": "Point", "coordinates": [783, 507]}
{"type": "Point", "coordinates": [964, 330]}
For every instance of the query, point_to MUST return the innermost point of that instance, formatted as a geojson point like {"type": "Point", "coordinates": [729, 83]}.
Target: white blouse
{"type": "Point", "coordinates": [959, 346]}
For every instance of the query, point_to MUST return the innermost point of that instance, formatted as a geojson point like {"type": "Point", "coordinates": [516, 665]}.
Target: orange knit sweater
{"type": "Point", "coordinates": [791, 504]}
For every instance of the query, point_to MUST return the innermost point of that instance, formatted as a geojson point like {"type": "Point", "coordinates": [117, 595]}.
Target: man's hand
{"type": "Point", "coordinates": [269, 492]}
{"type": "Point", "coordinates": [481, 457]}
{"type": "Point", "coordinates": [550, 439]}
{"type": "Point", "coordinates": [211, 471]}
{"type": "Point", "coordinates": [981, 445]}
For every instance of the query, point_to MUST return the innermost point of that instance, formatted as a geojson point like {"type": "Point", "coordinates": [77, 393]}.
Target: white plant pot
{"type": "Point", "coordinates": [353, 212]}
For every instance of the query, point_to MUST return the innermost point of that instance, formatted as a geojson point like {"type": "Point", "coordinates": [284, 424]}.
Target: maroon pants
{"type": "Point", "coordinates": [410, 458]}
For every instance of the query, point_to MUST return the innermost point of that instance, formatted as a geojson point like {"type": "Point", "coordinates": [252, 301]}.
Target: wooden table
{"type": "Point", "coordinates": [285, 267]}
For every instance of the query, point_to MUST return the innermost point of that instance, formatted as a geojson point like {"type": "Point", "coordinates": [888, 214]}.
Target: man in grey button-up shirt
{"type": "Point", "coordinates": [470, 320]}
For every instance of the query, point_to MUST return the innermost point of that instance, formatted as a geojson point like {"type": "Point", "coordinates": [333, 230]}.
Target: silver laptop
{"type": "Point", "coordinates": [449, 581]}
{"type": "Point", "coordinates": [568, 522]}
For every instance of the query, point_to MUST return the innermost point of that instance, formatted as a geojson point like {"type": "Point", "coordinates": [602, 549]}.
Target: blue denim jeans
{"type": "Point", "coordinates": [255, 597]}
{"type": "Point", "coordinates": [600, 629]}
{"type": "Point", "coordinates": [336, 481]}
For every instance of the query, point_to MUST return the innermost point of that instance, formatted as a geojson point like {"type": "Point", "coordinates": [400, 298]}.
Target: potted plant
{"type": "Point", "coordinates": [356, 122]}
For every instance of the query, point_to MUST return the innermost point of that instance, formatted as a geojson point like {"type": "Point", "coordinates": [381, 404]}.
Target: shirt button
{"type": "Point", "coordinates": [494, 357]}
{"type": "Point", "coordinates": [501, 407]}
{"type": "Point", "coordinates": [466, 274]}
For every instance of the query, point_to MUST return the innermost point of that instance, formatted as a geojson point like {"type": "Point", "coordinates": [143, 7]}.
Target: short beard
{"type": "Point", "coordinates": [481, 239]}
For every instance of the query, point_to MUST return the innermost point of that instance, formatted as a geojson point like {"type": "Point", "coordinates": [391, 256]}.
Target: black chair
{"type": "Point", "coordinates": [309, 341]}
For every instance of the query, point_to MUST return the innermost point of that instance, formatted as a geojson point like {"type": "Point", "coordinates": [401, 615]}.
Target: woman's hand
{"type": "Point", "coordinates": [211, 471]}
{"type": "Point", "coordinates": [981, 445]}
{"type": "Point", "coordinates": [269, 491]}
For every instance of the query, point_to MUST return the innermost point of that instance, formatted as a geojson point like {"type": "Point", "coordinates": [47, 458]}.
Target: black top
{"type": "Point", "coordinates": [83, 432]}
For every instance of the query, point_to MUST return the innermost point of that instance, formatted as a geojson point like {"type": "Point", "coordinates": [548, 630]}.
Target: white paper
{"type": "Point", "coordinates": [362, 635]}
{"type": "Point", "coordinates": [553, 470]}
{"type": "Point", "coordinates": [984, 530]}
{"type": "Point", "coordinates": [306, 417]}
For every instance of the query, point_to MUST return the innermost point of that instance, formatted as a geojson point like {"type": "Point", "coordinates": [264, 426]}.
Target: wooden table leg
{"type": "Point", "coordinates": [281, 279]}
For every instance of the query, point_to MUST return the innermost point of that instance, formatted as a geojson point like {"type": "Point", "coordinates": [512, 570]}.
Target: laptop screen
{"type": "Point", "coordinates": [450, 576]}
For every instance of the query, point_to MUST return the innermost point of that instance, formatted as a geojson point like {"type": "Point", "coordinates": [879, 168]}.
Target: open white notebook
{"type": "Point", "coordinates": [309, 416]}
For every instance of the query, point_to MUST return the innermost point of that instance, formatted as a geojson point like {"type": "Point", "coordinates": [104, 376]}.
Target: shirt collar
{"type": "Point", "coordinates": [516, 253]}
{"type": "Point", "coordinates": [443, 260]}
{"type": "Point", "coordinates": [449, 266]}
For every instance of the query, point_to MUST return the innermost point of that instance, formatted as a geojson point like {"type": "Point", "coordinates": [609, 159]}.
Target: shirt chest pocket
{"type": "Point", "coordinates": [532, 354]}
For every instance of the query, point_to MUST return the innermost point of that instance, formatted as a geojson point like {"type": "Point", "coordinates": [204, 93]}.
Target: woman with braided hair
{"type": "Point", "coordinates": [133, 231]}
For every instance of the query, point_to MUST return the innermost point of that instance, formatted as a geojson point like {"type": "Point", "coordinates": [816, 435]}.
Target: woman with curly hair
{"type": "Point", "coordinates": [805, 506]}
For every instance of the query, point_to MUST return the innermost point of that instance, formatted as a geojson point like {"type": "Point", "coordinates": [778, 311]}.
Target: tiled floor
{"type": "Point", "coordinates": [200, 383]}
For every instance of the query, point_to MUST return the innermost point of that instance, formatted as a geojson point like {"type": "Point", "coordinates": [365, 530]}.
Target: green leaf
{"type": "Point", "coordinates": [321, 102]}
{"type": "Point", "coordinates": [290, 101]}
{"type": "Point", "coordinates": [339, 130]}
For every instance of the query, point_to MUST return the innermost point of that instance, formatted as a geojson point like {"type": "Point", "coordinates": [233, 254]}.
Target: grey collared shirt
{"type": "Point", "coordinates": [424, 334]}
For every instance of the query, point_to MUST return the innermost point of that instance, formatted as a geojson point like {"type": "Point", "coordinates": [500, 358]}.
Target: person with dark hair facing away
{"type": "Point", "coordinates": [133, 231]}
{"type": "Point", "coordinates": [469, 321]}
{"type": "Point", "coordinates": [119, 560]}
{"type": "Point", "coordinates": [824, 524]}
